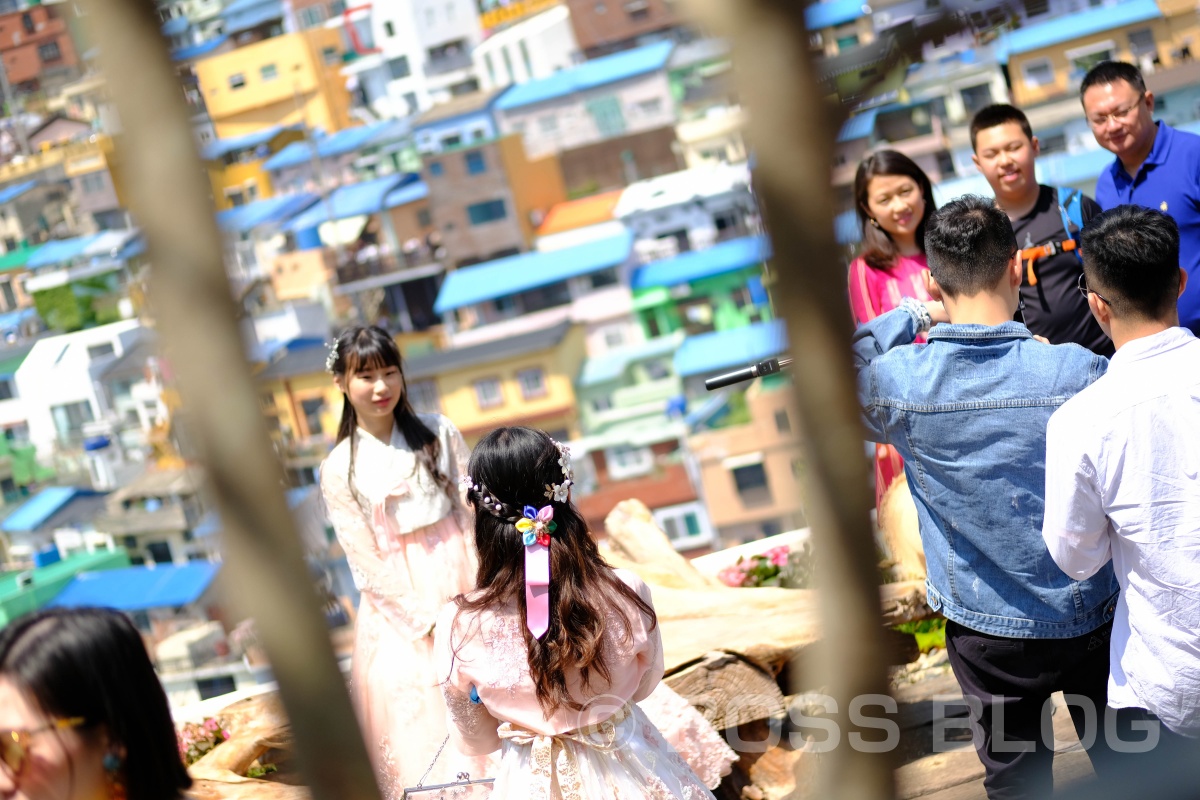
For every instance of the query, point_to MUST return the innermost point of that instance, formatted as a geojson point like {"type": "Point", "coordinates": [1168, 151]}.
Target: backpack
{"type": "Point", "coordinates": [1070, 206]}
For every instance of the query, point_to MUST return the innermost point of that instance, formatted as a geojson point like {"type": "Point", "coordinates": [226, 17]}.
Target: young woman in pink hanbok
{"type": "Point", "coordinates": [390, 488]}
{"type": "Point", "coordinates": [547, 659]}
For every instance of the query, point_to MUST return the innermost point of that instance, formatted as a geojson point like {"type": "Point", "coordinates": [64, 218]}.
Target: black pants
{"type": "Point", "coordinates": [1013, 680]}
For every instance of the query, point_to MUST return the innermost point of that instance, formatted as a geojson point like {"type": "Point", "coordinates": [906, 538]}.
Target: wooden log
{"type": "Point", "coordinates": [899, 534]}
{"type": "Point", "coordinates": [633, 534]}
{"type": "Point", "coordinates": [729, 690]}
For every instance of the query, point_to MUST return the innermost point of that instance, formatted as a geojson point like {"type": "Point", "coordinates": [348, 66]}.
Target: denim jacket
{"type": "Point", "coordinates": [968, 413]}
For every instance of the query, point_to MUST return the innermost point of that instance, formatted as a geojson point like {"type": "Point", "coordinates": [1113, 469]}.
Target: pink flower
{"type": "Point", "coordinates": [778, 556]}
{"type": "Point", "coordinates": [211, 725]}
{"type": "Point", "coordinates": [732, 576]}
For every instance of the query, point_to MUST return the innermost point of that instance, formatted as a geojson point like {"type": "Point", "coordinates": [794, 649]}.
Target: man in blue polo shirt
{"type": "Point", "coordinates": [1156, 166]}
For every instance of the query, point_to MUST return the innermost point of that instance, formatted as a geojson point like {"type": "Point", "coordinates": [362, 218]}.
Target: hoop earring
{"type": "Point", "coordinates": [113, 769]}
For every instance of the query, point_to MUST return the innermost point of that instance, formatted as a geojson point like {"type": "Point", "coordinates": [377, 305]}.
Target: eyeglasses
{"type": "Point", "coordinates": [1085, 291]}
{"type": "Point", "coordinates": [1120, 115]}
{"type": "Point", "coordinates": [14, 745]}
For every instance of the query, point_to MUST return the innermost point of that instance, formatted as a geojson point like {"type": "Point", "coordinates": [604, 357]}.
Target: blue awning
{"type": "Point", "coordinates": [709, 353]}
{"type": "Point", "coordinates": [1076, 26]}
{"type": "Point", "coordinates": [833, 13]}
{"type": "Point", "coordinates": [60, 251]}
{"type": "Point", "coordinates": [10, 193]}
{"type": "Point", "coordinates": [859, 126]}
{"type": "Point", "coordinates": [846, 229]}
{"type": "Point", "coordinates": [336, 144]}
{"type": "Point", "coordinates": [198, 50]}
{"type": "Point", "coordinates": [506, 276]}
{"type": "Point", "coordinates": [138, 588]}
{"type": "Point", "coordinates": [269, 211]}
{"type": "Point", "coordinates": [36, 510]}
{"type": "Point", "coordinates": [588, 75]}
{"type": "Point", "coordinates": [368, 197]}
{"type": "Point", "coordinates": [175, 26]}
{"type": "Point", "coordinates": [242, 15]}
{"type": "Point", "coordinates": [219, 148]}
{"type": "Point", "coordinates": [696, 264]}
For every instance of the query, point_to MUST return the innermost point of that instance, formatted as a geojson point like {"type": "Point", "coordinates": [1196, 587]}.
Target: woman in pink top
{"type": "Point", "coordinates": [546, 660]}
{"type": "Point", "coordinates": [893, 199]}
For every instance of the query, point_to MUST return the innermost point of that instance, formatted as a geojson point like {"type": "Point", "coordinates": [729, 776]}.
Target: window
{"type": "Point", "coordinates": [1084, 58]}
{"type": "Point", "coordinates": [49, 52]}
{"type": "Point", "coordinates": [750, 480]}
{"type": "Point", "coordinates": [7, 390]}
{"type": "Point", "coordinates": [490, 211]}
{"type": "Point", "coordinates": [783, 423]}
{"type": "Point", "coordinates": [215, 687]}
{"type": "Point", "coordinates": [504, 305]}
{"type": "Point", "coordinates": [601, 404]}
{"type": "Point", "coordinates": [330, 55]}
{"type": "Point", "coordinates": [976, 97]}
{"type": "Point", "coordinates": [488, 394]}
{"type": "Point", "coordinates": [478, 135]}
{"type": "Point", "coordinates": [251, 191]}
{"type": "Point", "coordinates": [92, 182]}
{"type": "Point", "coordinates": [524, 48]}
{"type": "Point", "coordinates": [235, 197]}
{"type": "Point", "coordinates": [475, 163]}
{"type": "Point", "coordinates": [424, 218]}
{"type": "Point", "coordinates": [512, 76]}
{"type": "Point", "coordinates": [398, 68]}
{"type": "Point", "coordinates": [614, 337]}
{"type": "Point", "coordinates": [410, 100]}
{"type": "Point", "coordinates": [685, 525]}
{"type": "Point", "coordinates": [1039, 72]}
{"type": "Point", "coordinates": [605, 277]}
{"type": "Point", "coordinates": [637, 10]}
{"type": "Point", "coordinates": [548, 123]}
{"type": "Point", "coordinates": [237, 81]}
{"type": "Point", "coordinates": [312, 16]}
{"type": "Point", "coordinates": [268, 72]}
{"type": "Point", "coordinates": [436, 169]}
{"type": "Point", "coordinates": [311, 409]}
{"type": "Point", "coordinates": [657, 370]}
{"type": "Point", "coordinates": [651, 106]}
{"type": "Point", "coordinates": [27, 22]}
{"type": "Point", "coordinates": [100, 351]}
{"type": "Point", "coordinates": [389, 29]}
{"type": "Point", "coordinates": [847, 42]}
{"type": "Point", "coordinates": [337, 8]}
{"type": "Point", "coordinates": [1057, 142]}
{"type": "Point", "coordinates": [1035, 8]}
{"type": "Point", "coordinates": [10, 296]}
{"type": "Point", "coordinates": [606, 111]}
{"type": "Point", "coordinates": [70, 418]}
{"type": "Point", "coordinates": [1141, 43]}
{"type": "Point", "coordinates": [628, 462]}
{"type": "Point", "coordinates": [490, 67]}
{"type": "Point", "coordinates": [424, 397]}
{"type": "Point", "coordinates": [533, 383]}
{"type": "Point", "coordinates": [451, 141]}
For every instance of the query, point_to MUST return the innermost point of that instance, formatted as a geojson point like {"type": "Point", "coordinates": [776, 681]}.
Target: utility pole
{"type": "Point", "coordinates": [10, 104]}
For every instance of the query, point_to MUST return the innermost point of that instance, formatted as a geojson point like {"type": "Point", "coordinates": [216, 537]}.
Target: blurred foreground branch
{"type": "Point", "coordinates": [792, 131]}
{"type": "Point", "coordinates": [264, 566]}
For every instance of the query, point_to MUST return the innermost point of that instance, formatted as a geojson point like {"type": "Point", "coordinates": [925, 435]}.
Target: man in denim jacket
{"type": "Point", "coordinates": [968, 413]}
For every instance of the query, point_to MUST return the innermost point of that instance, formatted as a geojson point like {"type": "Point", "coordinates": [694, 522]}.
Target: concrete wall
{"type": "Point", "coordinates": [454, 190]}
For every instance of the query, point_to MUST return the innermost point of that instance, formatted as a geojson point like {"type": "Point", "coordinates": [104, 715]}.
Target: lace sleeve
{"type": "Point", "coordinates": [459, 453]}
{"type": "Point", "coordinates": [471, 727]}
{"type": "Point", "coordinates": [372, 575]}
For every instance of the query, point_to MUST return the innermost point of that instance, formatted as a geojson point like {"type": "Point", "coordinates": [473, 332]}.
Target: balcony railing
{"type": "Point", "coordinates": [350, 271]}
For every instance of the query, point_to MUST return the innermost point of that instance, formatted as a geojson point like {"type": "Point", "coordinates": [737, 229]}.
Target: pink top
{"type": "Point", "coordinates": [486, 650]}
{"type": "Point", "coordinates": [877, 291]}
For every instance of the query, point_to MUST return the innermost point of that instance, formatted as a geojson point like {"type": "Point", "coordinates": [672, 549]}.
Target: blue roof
{"type": "Point", "coordinates": [12, 320]}
{"type": "Point", "coordinates": [696, 264]}
{"type": "Point", "coordinates": [859, 126]}
{"type": "Point", "coordinates": [506, 276]}
{"type": "Point", "coordinates": [588, 75]}
{"type": "Point", "coordinates": [219, 148]}
{"type": "Point", "coordinates": [709, 353]}
{"type": "Point", "coordinates": [1076, 26]}
{"type": "Point", "coordinates": [272, 210]}
{"type": "Point", "coordinates": [611, 364]}
{"type": "Point", "coordinates": [175, 26]}
{"type": "Point", "coordinates": [241, 15]}
{"type": "Point", "coordinates": [60, 251]}
{"type": "Point", "coordinates": [846, 229]}
{"type": "Point", "coordinates": [138, 588]}
{"type": "Point", "coordinates": [198, 50]}
{"type": "Point", "coordinates": [357, 199]}
{"type": "Point", "coordinates": [34, 512]}
{"type": "Point", "coordinates": [336, 144]}
{"type": "Point", "coordinates": [832, 13]}
{"type": "Point", "coordinates": [16, 190]}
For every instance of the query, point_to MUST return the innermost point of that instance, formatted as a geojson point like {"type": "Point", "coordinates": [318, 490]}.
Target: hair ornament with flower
{"type": "Point", "coordinates": [332, 357]}
{"type": "Point", "coordinates": [536, 525]}
{"type": "Point", "coordinates": [560, 492]}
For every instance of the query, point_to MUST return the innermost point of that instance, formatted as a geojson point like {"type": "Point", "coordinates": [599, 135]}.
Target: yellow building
{"type": "Point", "coordinates": [524, 379]}
{"type": "Point", "coordinates": [1047, 62]}
{"type": "Point", "coordinates": [286, 80]}
{"type": "Point", "coordinates": [235, 165]}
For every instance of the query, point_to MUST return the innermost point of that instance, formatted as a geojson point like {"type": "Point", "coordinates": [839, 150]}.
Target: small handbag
{"type": "Point", "coordinates": [465, 788]}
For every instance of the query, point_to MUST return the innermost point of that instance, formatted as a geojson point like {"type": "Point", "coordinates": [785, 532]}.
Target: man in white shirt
{"type": "Point", "coordinates": [1123, 472]}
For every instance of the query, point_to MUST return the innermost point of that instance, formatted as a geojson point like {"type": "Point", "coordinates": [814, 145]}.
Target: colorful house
{"type": "Point", "coordinates": [26, 591]}
{"type": "Point", "coordinates": [236, 165]}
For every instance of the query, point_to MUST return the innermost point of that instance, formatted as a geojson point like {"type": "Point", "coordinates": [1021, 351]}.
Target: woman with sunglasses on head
{"type": "Point", "coordinates": [82, 714]}
{"type": "Point", "coordinates": [893, 199]}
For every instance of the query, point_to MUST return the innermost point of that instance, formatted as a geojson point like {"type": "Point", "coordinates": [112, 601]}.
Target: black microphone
{"type": "Point", "coordinates": [768, 367]}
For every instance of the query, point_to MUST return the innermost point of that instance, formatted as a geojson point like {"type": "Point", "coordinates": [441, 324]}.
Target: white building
{"type": "Point", "coordinates": [424, 55]}
{"type": "Point", "coordinates": [58, 381]}
{"type": "Point", "coordinates": [533, 48]}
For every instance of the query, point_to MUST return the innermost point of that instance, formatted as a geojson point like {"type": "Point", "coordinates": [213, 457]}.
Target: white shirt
{"type": "Point", "coordinates": [1123, 481]}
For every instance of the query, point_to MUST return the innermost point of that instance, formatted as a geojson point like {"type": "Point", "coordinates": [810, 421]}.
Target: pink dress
{"type": "Point", "coordinates": [874, 292]}
{"type": "Point", "coordinates": [609, 750]}
{"type": "Point", "coordinates": [410, 550]}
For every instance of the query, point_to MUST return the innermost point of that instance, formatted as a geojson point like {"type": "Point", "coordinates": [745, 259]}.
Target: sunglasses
{"type": "Point", "coordinates": [14, 745]}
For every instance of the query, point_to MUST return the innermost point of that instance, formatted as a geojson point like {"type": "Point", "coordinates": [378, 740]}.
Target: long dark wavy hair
{"type": "Point", "coordinates": [369, 347]}
{"type": "Point", "coordinates": [92, 663]}
{"type": "Point", "coordinates": [879, 250]}
{"type": "Point", "coordinates": [515, 465]}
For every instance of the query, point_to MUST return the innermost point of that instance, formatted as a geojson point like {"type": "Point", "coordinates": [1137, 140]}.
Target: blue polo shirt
{"type": "Point", "coordinates": [1168, 181]}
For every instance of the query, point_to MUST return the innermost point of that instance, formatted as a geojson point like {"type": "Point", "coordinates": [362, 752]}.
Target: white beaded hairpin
{"type": "Point", "coordinates": [559, 491]}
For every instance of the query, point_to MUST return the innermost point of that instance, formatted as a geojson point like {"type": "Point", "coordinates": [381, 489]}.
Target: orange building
{"type": "Point", "coordinates": [37, 48]}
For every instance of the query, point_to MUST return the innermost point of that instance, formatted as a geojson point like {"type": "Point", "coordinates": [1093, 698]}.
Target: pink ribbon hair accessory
{"type": "Point", "coordinates": [535, 527]}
